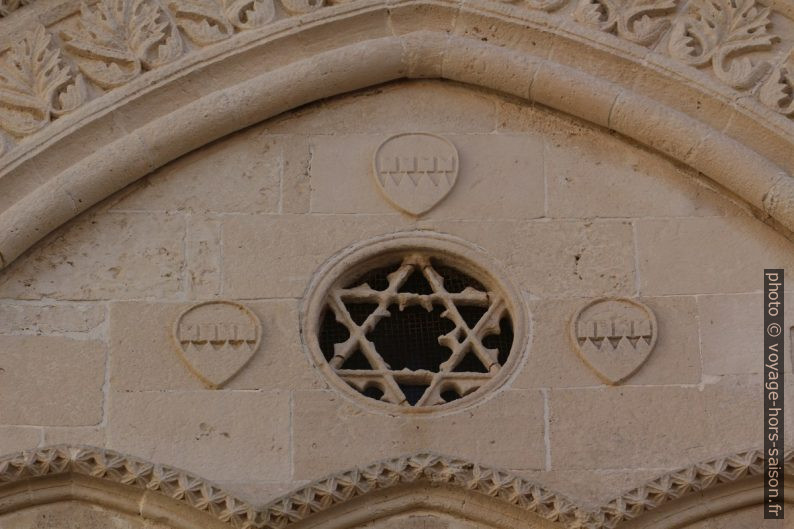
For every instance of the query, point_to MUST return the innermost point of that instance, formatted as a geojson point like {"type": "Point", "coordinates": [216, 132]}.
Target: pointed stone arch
{"type": "Point", "coordinates": [127, 131]}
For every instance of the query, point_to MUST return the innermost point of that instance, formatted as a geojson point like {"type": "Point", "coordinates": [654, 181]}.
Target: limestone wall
{"type": "Point", "coordinates": [568, 212]}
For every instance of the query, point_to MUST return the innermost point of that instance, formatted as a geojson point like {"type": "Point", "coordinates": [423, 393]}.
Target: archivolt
{"type": "Point", "coordinates": [423, 480]}
{"type": "Point", "coordinates": [104, 145]}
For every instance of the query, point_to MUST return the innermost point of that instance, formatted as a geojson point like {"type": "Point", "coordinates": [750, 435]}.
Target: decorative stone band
{"type": "Point", "coordinates": [343, 486]}
{"type": "Point", "coordinates": [116, 41]}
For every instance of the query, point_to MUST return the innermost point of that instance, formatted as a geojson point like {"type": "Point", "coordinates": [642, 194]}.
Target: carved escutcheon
{"type": "Point", "coordinates": [216, 339]}
{"type": "Point", "coordinates": [415, 171]}
{"type": "Point", "coordinates": [614, 336]}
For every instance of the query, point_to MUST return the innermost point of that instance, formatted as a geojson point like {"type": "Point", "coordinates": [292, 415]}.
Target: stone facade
{"type": "Point", "coordinates": [182, 213]}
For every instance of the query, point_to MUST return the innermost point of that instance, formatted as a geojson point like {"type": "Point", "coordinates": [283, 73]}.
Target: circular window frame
{"type": "Point", "coordinates": [354, 261]}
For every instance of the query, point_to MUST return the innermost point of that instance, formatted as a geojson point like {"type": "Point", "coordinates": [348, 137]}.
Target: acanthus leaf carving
{"type": "Point", "coordinates": [640, 21]}
{"type": "Point", "coordinates": [9, 6]}
{"type": "Point", "coordinates": [720, 32]}
{"type": "Point", "coordinates": [249, 14]}
{"type": "Point", "coordinates": [202, 20]}
{"type": "Point", "coordinates": [118, 39]}
{"type": "Point", "coordinates": [302, 6]}
{"type": "Point", "coordinates": [36, 84]}
{"type": "Point", "coordinates": [777, 92]}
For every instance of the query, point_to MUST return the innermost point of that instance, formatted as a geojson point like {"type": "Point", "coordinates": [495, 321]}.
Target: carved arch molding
{"type": "Point", "coordinates": [419, 482]}
{"type": "Point", "coordinates": [94, 96]}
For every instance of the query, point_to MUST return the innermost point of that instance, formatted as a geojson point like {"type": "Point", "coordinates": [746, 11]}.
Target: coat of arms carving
{"type": "Point", "coordinates": [614, 336]}
{"type": "Point", "coordinates": [415, 171]}
{"type": "Point", "coordinates": [216, 339]}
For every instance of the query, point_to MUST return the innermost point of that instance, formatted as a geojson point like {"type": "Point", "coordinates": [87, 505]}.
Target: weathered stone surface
{"type": "Point", "coordinates": [731, 335]}
{"type": "Point", "coordinates": [505, 431]}
{"type": "Point", "coordinates": [626, 427]}
{"type": "Point", "coordinates": [143, 355]}
{"type": "Point", "coordinates": [101, 256]}
{"type": "Point", "coordinates": [556, 258]}
{"type": "Point", "coordinates": [568, 211]}
{"type": "Point", "coordinates": [732, 412]}
{"type": "Point", "coordinates": [203, 256]}
{"type": "Point", "coordinates": [408, 107]}
{"type": "Point", "coordinates": [49, 318]}
{"type": "Point", "coordinates": [190, 429]}
{"type": "Point", "coordinates": [73, 515]}
{"type": "Point", "coordinates": [75, 435]}
{"type": "Point", "coordinates": [591, 173]}
{"type": "Point", "coordinates": [553, 361]}
{"type": "Point", "coordinates": [707, 255]}
{"type": "Point", "coordinates": [18, 438]}
{"type": "Point", "coordinates": [494, 169]}
{"type": "Point", "coordinates": [51, 381]}
{"type": "Point", "coordinates": [241, 174]}
{"type": "Point", "coordinates": [275, 256]}
{"type": "Point", "coordinates": [297, 155]}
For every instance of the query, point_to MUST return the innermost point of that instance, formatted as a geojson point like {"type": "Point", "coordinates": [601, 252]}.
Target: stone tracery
{"type": "Point", "coordinates": [463, 338]}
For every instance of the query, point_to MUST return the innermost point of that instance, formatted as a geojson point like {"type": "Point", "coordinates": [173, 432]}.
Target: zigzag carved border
{"type": "Point", "coordinates": [343, 486]}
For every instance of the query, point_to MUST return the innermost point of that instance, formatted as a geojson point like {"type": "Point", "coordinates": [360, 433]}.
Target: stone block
{"type": "Point", "coordinates": [732, 337]}
{"type": "Point", "coordinates": [203, 256]}
{"type": "Point", "coordinates": [220, 435]}
{"type": "Point", "coordinates": [268, 257]}
{"type": "Point", "coordinates": [557, 258]}
{"type": "Point", "coordinates": [553, 361]}
{"type": "Point", "coordinates": [52, 381]}
{"type": "Point", "coordinates": [707, 255]}
{"type": "Point", "coordinates": [500, 176]}
{"type": "Point", "coordinates": [144, 355]}
{"type": "Point", "coordinates": [49, 318]}
{"type": "Point", "coordinates": [591, 173]}
{"type": "Point", "coordinates": [102, 256]}
{"type": "Point", "coordinates": [626, 427]}
{"type": "Point", "coordinates": [238, 174]}
{"type": "Point", "coordinates": [331, 433]}
{"type": "Point", "coordinates": [80, 435]}
{"type": "Point", "coordinates": [18, 438]}
{"type": "Point", "coordinates": [297, 154]}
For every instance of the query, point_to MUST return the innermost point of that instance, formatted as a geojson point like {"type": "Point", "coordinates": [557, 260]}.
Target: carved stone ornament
{"type": "Point", "coordinates": [36, 84]}
{"type": "Point", "coordinates": [614, 336]}
{"type": "Point", "coordinates": [415, 171]}
{"type": "Point", "coordinates": [118, 39]}
{"type": "Point", "coordinates": [414, 322]}
{"type": "Point", "coordinates": [640, 21]}
{"type": "Point", "coordinates": [216, 339]}
{"type": "Point", "coordinates": [341, 487]}
{"type": "Point", "coordinates": [719, 32]}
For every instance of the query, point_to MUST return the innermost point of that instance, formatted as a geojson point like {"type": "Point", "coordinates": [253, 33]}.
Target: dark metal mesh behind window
{"type": "Point", "coordinates": [408, 339]}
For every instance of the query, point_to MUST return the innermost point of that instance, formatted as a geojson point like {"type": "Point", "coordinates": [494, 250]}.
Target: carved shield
{"type": "Point", "coordinates": [216, 339]}
{"type": "Point", "coordinates": [415, 171]}
{"type": "Point", "coordinates": [614, 336]}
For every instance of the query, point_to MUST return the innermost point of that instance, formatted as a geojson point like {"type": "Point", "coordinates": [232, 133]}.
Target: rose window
{"type": "Point", "coordinates": [414, 330]}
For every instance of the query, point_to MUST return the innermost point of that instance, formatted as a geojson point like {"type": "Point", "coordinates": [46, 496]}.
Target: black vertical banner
{"type": "Point", "coordinates": [773, 394]}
